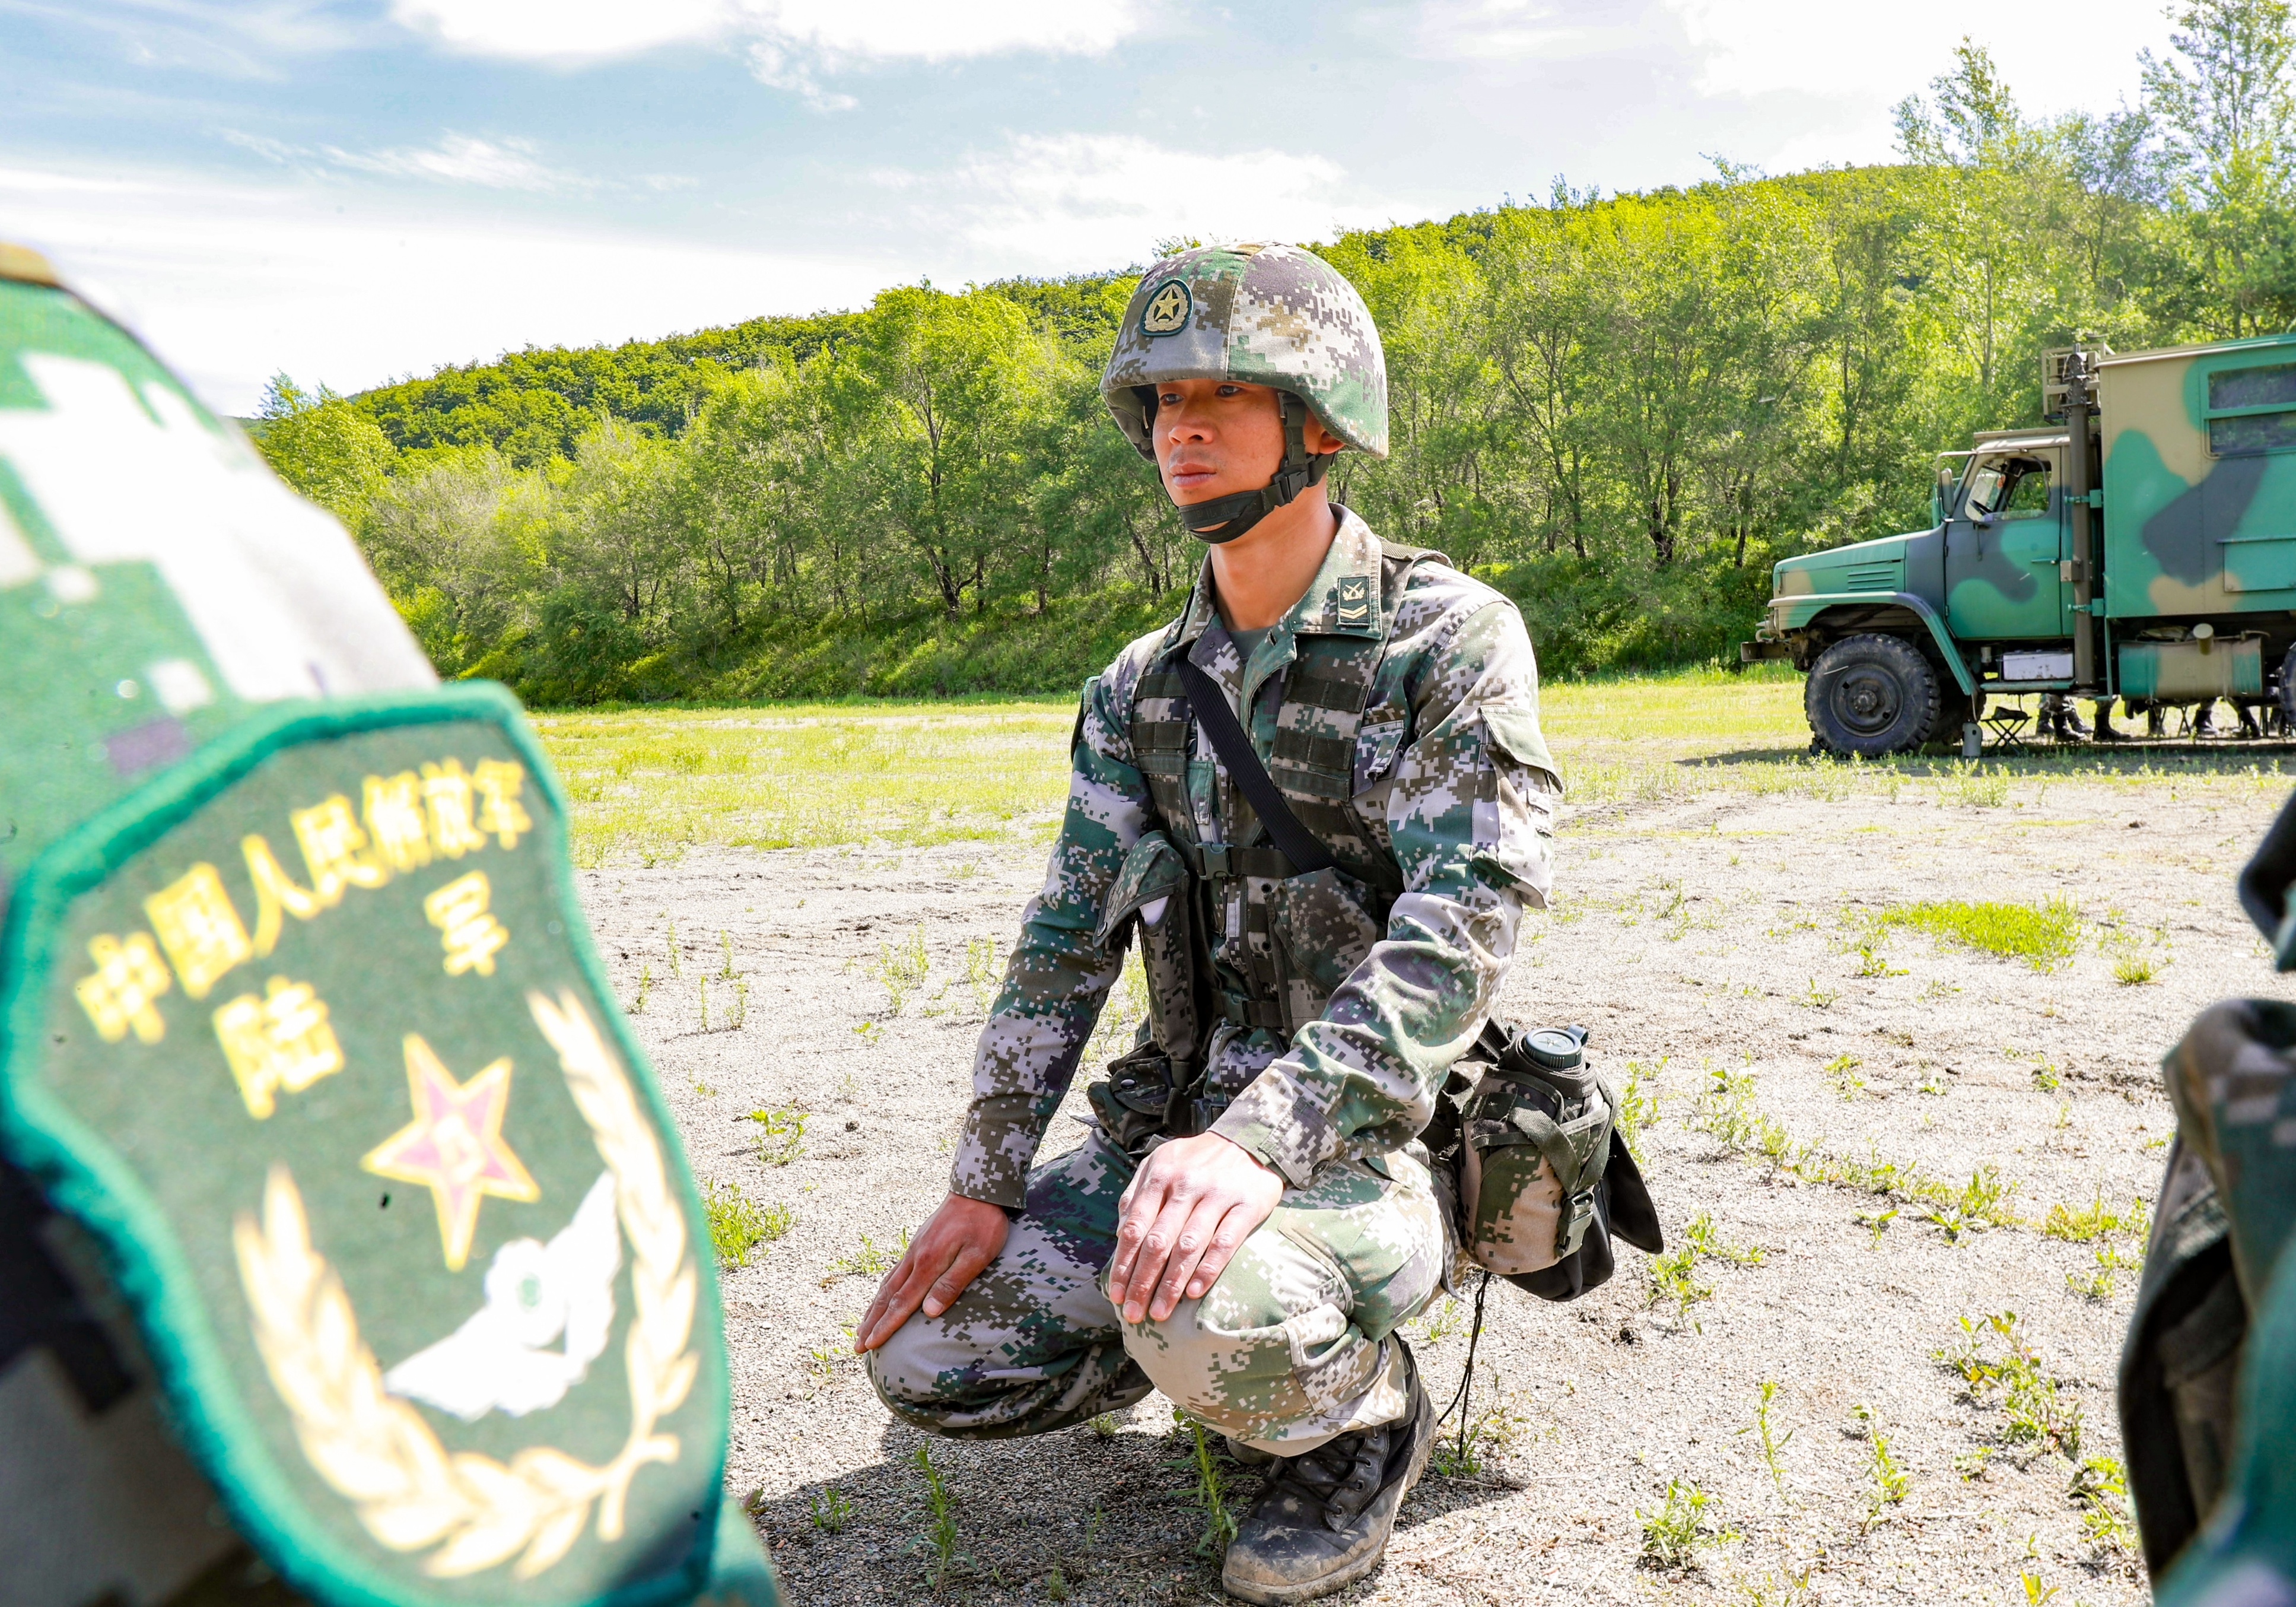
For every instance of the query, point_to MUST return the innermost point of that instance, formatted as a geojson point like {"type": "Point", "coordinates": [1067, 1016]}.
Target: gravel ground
{"type": "Point", "coordinates": [1718, 934]}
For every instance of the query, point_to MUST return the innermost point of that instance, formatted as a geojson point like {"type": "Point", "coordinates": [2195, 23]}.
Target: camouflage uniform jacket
{"type": "Point", "coordinates": [1460, 804]}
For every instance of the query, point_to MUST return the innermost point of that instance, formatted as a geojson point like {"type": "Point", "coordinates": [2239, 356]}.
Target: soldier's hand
{"type": "Point", "coordinates": [948, 1252]}
{"type": "Point", "coordinates": [1193, 1202]}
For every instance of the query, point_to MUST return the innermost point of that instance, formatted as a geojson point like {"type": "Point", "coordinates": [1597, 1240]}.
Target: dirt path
{"type": "Point", "coordinates": [1719, 935]}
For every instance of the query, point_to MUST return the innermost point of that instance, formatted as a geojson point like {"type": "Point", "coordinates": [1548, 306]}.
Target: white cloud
{"type": "Point", "coordinates": [458, 158]}
{"type": "Point", "coordinates": [1065, 202]}
{"type": "Point", "coordinates": [233, 283]}
{"type": "Point", "coordinates": [1824, 48]}
{"type": "Point", "coordinates": [508, 164]}
{"type": "Point", "coordinates": [790, 44]}
{"type": "Point", "coordinates": [1490, 31]}
{"type": "Point", "coordinates": [557, 30]}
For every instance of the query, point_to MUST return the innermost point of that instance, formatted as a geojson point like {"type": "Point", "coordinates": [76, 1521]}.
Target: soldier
{"type": "Point", "coordinates": [315, 1121]}
{"type": "Point", "coordinates": [1251, 1221]}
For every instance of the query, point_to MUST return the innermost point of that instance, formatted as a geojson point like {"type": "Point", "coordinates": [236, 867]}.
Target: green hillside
{"type": "Point", "coordinates": [1619, 409]}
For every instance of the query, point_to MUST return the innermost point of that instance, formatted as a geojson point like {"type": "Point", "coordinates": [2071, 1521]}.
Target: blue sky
{"type": "Point", "coordinates": [353, 190]}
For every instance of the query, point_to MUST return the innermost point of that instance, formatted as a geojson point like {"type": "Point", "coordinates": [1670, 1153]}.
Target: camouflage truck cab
{"type": "Point", "coordinates": [2159, 567]}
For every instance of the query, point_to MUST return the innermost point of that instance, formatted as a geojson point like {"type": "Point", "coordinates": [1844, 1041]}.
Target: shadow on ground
{"type": "Point", "coordinates": [1076, 1516]}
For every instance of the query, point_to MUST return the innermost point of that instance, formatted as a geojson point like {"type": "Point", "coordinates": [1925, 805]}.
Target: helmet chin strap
{"type": "Point", "coordinates": [1223, 519]}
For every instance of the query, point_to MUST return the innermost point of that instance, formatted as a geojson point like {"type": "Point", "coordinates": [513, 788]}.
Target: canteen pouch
{"type": "Point", "coordinates": [1536, 1131]}
{"type": "Point", "coordinates": [1530, 1163]}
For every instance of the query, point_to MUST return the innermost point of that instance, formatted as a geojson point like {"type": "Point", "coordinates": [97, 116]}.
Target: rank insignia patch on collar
{"type": "Point", "coordinates": [1167, 309]}
{"type": "Point", "coordinates": [308, 1031]}
{"type": "Point", "coordinates": [1355, 600]}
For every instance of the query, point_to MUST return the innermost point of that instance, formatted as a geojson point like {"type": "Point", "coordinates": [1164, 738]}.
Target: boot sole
{"type": "Point", "coordinates": [1340, 1578]}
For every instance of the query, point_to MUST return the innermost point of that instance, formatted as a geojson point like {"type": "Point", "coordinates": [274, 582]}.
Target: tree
{"type": "Point", "coordinates": [324, 447]}
{"type": "Point", "coordinates": [2228, 116]}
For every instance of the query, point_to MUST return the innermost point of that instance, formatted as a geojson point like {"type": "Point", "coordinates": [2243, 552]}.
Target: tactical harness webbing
{"type": "Point", "coordinates": [1327, 709]}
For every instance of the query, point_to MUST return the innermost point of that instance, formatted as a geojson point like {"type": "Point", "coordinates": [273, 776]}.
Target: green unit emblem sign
{"type": "Point", "coordinates": [310, 1033]}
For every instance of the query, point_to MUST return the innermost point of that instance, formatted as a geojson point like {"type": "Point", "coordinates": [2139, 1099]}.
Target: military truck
{"type": "Point", "coordinates": [2141, 545]}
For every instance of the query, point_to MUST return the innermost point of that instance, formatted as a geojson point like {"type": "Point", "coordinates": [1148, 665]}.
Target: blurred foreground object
{"type": "Point", "coordinates": [309, 1081]}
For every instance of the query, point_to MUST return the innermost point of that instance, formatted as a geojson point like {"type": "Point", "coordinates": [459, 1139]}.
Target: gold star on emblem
{"type": "Point", "coordinates": [454, 1147]}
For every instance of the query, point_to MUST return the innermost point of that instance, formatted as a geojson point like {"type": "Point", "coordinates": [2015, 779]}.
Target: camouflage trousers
{"type": "Point", "coordinates": [1291, 1346]}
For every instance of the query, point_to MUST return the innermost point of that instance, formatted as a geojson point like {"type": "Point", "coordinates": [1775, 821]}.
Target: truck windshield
{"type": "Point", "coordinates": [2009, 488]}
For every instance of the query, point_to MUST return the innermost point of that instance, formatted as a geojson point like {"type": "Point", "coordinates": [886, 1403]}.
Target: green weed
{"type": "Point", "coordinates": [1674, 1531]}
{"type": "Point", "coordinates": [1780, 1589]}
{"type": "Point", "coordinates": [981, 972]}
{"type": "Point", "coordinates": [2036, 1595]}
{"type": "Point", "coordinates": [1841, 1072]}
{"type": "Point", "coordinates": [1772, 1441]}
{"type": "Point", "coordinates": [2042, 935]}
{"type": "Point", "coordinates": [1443, 1322]}
{"type": "Point", "coordinates": [2099, 1489]}
{"type": "Point", "coordinates": [1105, 1425]}
{"type": "Point", "coordinates": [1470, 1455]}
{"type": "Point", "coordinates": [901, 968]}
{"type": "Point", "coordinates": [1210, 1493]}
{"type": "Point", "coordinates": [2034, 1410]}
{"type": "Point", "coordinates": [1703, 1236]}
{"type": "Point", "coordinates": [940, 1511]}
{"type": "Point", "coordinates": [2094, 1220]}
{"type": "Point", "coordinates": [867, 1262]}
{"type": "Point", "coordinates": [676, 963]}
{"type": "Point", "coordinates": [1818, 998]}
{"type": "Point", "coordinates": [781, 1134]}
{"type": "Point", "coordinates": [645, 985]}
{"type": "Point", "coordinates": [1889, 1483]}
{"type": "Point", "coordinates": [1671, 1279]}
{"type": "Point", "coordinates": [830, 1509]}
{"type": "Point", "coordinates": [1637, 1110]}
{"type": "Point", "coordinates": [738, 1225]}
{"type": "Point", "coordinates": [725, 942]}
{"type": "Point", "coordinates": [1872, 962]}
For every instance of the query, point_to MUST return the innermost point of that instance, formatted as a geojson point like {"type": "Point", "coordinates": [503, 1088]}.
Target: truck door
{"type": "Point", "coordinates": [2003, 549]}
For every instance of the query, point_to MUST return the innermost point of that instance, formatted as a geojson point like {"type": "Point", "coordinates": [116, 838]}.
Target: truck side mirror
{"type": "Point", "coordinates": [1941, 496]}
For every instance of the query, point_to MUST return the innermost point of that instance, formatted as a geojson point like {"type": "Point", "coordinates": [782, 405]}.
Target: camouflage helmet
{"type": "Point", "coordinates": [1264, 314]}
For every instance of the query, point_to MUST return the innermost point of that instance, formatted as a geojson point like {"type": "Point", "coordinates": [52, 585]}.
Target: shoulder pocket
{"type": "Point", "coordinates": [1513, 728]}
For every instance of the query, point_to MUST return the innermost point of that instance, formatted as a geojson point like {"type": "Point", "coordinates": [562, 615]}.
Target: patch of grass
{"type": "Point", "coordinates": [1105, 1425]}
{"type": "Point", "coordinates": [2042, 935]}
{"type": "Point", "coordinates": [2099, 1285]}
{"type": "Point", "coordinates": [982, 974]}
{"type": "Point", "coordinates": [781, 1134]}
{"type": "Point", "coordinates": [1975, 783]}
{"type": "Point", "coordinates": [1477, 1445]}
{"type": "Point", "coordinates": [2135, 969]}
{"type": "Point", "coordinates": [645, 986]}
{"type": "Point", "coordinates": [2035, 1411]}
{"type": "Point", "coordinates": [1703, 1236]}
{"type": "Point", "coordinates": [1818, 998]}
{"type": "Point", "coordinates": [1673, 1532]}
{"type": "Point", "coordinates": [2094, 1220]}
{"type": "Point", "coordinates": [868, 1262]}
{"type": "Point", "coordinates": [738, 1224]}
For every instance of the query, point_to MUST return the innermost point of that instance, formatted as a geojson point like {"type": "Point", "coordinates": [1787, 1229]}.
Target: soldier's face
{"type": "Point", "coordinates": [1215, 436]}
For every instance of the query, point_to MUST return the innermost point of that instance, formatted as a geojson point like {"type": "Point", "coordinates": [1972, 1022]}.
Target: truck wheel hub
{"type": "Point", "coordinates": [1869, 700]}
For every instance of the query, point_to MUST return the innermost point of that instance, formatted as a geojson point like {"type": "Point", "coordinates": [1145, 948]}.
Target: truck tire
{"type": "Point", "coordinates": [1872, 694]}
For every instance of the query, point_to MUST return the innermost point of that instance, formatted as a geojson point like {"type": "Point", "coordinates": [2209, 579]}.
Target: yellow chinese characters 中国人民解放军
{"type": "Point", "coordinates": [199, 928]}
{"type": "Point", "coordinates": [118, 994]}
{"type": "Point", "coordinates": [471, 935]}
{"type": "Point", "coordinates": [447, 811]}
{"type": "Point", "coordinates": [282, 1040]}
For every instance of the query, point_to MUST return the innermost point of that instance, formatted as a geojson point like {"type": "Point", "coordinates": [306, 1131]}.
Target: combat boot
{"type": "Point", "coordinates": [2203, 722]}
{"type": "Point", "coordinates": [2106, 731]}
{"type": "Point", "coordinates": [2247, 726]}
{"type": "Point", "coordinates": [1323, 1520]}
